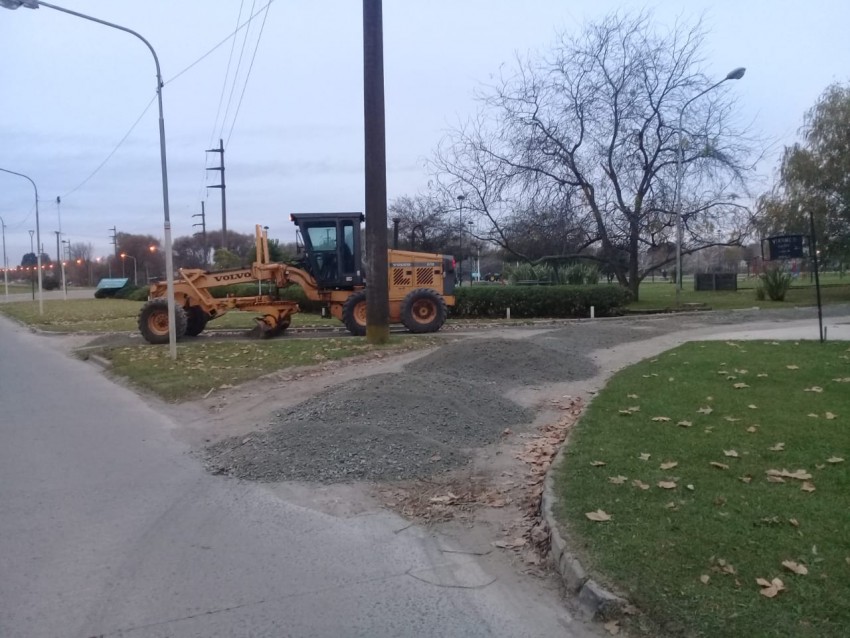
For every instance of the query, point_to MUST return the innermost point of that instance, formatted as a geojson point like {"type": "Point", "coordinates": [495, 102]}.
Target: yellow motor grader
{"type": "Point", "coordinates": [329, 270]}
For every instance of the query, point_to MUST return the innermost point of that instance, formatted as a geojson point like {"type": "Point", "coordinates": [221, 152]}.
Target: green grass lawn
{"type": "Point", "coordinates": [205, 366]}
{"type": "Point", "coordinates": [660, 295]}
{"type": "Point", "coordinates": [120, 315]}
{"type": "Point", "coordinates": [687, 539]}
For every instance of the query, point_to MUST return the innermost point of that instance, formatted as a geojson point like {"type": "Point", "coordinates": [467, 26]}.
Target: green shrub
{"type": "Point", "coordinates": [138, 294]}
{"type": "Point", "coordinates": [50, 283]}
{"type": "Point", "coordinates": [776, 282]}
{"type": "Point", "coordinates": [760, 294]}
{"type": "Point", "coordinates": [290, 293]}
{"type": "Point", "coordinates": [539, 301]}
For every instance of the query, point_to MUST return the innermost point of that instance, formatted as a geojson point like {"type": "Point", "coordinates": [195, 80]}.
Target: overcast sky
{"type": "Point", "coordinates": [71, 89]}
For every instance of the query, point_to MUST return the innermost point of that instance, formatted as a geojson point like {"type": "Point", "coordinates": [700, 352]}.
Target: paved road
{"type": "Point", "coordinates": [109, 528]}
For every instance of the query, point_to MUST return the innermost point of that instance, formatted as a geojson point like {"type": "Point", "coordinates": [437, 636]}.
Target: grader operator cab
{"type": "Point", "coordinates": [329, 270]}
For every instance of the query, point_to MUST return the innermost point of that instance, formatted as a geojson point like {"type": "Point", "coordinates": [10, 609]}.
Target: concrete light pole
{"type": "Point", "coordinates": [169, 258]}
{"type": "Point", "coordinates": [5, 261]}
{"type": "Point", "coordinates": [135, 270]}
{"type": "Point", "coordinates": [735, 74]}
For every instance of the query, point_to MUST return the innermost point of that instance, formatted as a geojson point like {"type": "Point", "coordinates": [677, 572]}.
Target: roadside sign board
{"type": "Point", "coordinates": [782, 247]}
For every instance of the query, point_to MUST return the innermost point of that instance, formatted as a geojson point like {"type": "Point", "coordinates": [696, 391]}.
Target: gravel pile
{"type": "Point", "coordinates": [385, 427]}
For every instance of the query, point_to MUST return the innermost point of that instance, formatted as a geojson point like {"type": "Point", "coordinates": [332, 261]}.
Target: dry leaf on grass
{"type": "Point", "coordinates": [794, 522]}
{"type": "Point", "coordinates": [830, 416]}
{"type": "Point", "coordinates": [598, 463]}
{"type": "Point", "coordinates": [719, 466]}
{"type": "Point", "coordinates": [668, 465]}
{"type": "Point", "coordinates": [753, 429]}
{"type": "Point", "coordinates": [775, 479]}
{"type": "Point", "coordinates": [626, 412]}
{"type": "Point", "coordinates": [705, 410]}
{"type": "Point", "coordinates": [631, 396]}
{"type": "Point", "coordinates": [667, 485]}
{"type": "Point", "coordinates": [814, 388]}
{"type": "Point", "coordinates": [813, 415]}
{"type": "Point", "coordinates": [797, 568]}
{"type": "Point", "coordinates": [835, 459]}
{"type": "Point", "coordinates": [612, 627]}
{"type": "Point", "coordinates": [808, 487]}
{"type": "Point", "coordinates": [842, 380]}
{"type": "Point", "coordinates": [800, 475]}
{"type": "Point", "coordinates": [599, 516]}
{"type": "Point", "coordinates": [761, 374]}
{"type": "Point", "coordinates": [777, 447]}
{"type": "Point", "coordinates": [793, 367]}
{"type": "Point", "coordinates": [618, 480]}
{"type": "Point", "coordinates": [746, 478]}
{"type": "Point", "coordinates": [731, 453]}
{"type": "Point", "coordinates": [731, 419]}
{"type": "Point", "coordinates": [684, 424]}
{"type": "Point", "coordinates": [770, 588]}
{"type": "Point", "coordinates": [512, 544]}
{"type": "Point", "coordinates": [661, 419]}
{"type": "Point", "coordinates": [644, 456]}
{"type": "Point", "coordinates": [633, 408]}
{"type": "Point", "coordinates": [752, 406]}
{"type": "Point", "coordinates": [640, 484]}
{"type": "Point", "coordinates": [740, 386]}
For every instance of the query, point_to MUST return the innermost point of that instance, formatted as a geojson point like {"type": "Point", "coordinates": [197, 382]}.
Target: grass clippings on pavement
{"type": "Point", "coordinates": [710, 486]}
{"type": "Point", "coordinates": [202, 367]}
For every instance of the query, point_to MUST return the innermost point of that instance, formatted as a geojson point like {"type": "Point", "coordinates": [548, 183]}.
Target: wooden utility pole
{"type": "Point", "coordinates": [377, 295]}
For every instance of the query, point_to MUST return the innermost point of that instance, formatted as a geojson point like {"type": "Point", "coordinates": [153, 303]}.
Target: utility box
{"type": "Point", "coordinates": [716, 281]}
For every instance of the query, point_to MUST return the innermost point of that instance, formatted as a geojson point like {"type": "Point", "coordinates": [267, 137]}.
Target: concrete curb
{"type": "Point", "coordinates": [102, 362]}
{"type": "Point", "coordinates": [595, 601]}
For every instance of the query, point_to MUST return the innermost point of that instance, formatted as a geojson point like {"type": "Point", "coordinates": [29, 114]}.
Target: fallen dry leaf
{"type": "Point", "coordinates": [775, 479]}
{"type": "Point", "coordinates": [667, 485]}
{"type": "Point", "coordinates": [668, 465]}
{"type": "Point", "coordinates": [752, 406]}
{"type": "Point", "coordinates": [793, 367]}
{"type": "Point", "coordinates": [794, 522]}
{"type": "Point", "coordinates": [672, 505]}
{"type": "Point", "coordinates": [746, 478]}
{"type": "Point", "coordinates": [830, 416]}
{"type": "Point", "coordinates": [512, 544]}
{"type": "Point", "coordinates": [808, 487]}
{"type": "Point", "coordinates": [690, 487]}
{"type": "Point", "coordinates": [705, 410]}
{"type": "Point", "coordinates": [644, 456]}
{"type": "Point", "coordinates": [752, 429]}
{"type": "Point", "coordinates": [835, 459]}
{"type": "Point", "coordinates": [720, 466]}
{"type": "Point", "coordinates": [777, 447]}
{"type": "Point", "coordinates": [617, 480]}
{"type": "Point", "coordinates": [612, 627]}
{"type": "Point", "coordinates": [800, 475]}
{"type": "Point", "coordinates": [761, 374]}
{"type": "Point", "coordinates": [740, 386]}
{"type": "Point", "coordinates": [598, 463]}
{"type": "Point", "coordinates": [797, 568]}
{"type": "Point", "coordinates": [684, 424]}
{"type": "Point", "coordinates": [640, 484]}
{"type": "Point", "coordinates": [731, 419]}
{"type": "Point", "coordinates": [770, 588]}
{"type": "Point", "coordinates": [626, 412]}
{"type": "Point", "coordinates": [813, 415]}
{"type": "Point", "coordinates": [599, 516]}
{"type": "Point", "coordinates": [842, 380]}
{"type": "Point", "coordinates": [631, 396]}
{"type": "Point", "coordinates": [662, 419]}
{"type": "Point", "coordinates": [814, 388]}
{"type": "Point", "coordinates": [731, 453]}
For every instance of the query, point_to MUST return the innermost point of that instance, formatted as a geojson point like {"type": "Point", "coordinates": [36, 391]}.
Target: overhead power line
{"type": "Point", "coordinates": [226, 77]}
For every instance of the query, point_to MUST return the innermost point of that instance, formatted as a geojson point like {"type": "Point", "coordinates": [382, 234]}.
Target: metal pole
{"type": "Point", "coordinates": [38, 239]}
{"type": "Point", "coordinates": [5, 261]}
{"type": "Point", "coordinates": [377, 298]}
{"type": "Point", "coordinates": [460, 198]}
{"type": "Point", "coordinates": [169, 265]}
{"type": "Point", "coordinates": [817, 276]}
{"type": "Point", "coordinates": [32, 278]}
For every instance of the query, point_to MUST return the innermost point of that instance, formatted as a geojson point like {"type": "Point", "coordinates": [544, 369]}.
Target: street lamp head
{"type": "Point", "coordinates": [123, 255]}
{"type": "Point", "coordinates": [460, 198]}
{"type": "Point", "coordinates": [736, 74]}
{"type": "Point", "coordinates": [15, 4]}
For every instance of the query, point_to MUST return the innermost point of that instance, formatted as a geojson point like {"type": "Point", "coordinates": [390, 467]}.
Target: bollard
{"type": "Point", "coordinates": [508, 313]}
{"type": "Point", "coordinates": [592, 312]}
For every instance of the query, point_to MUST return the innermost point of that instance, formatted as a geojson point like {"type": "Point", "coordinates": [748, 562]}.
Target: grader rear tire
{"type": "Point", "coordinates": [423, 310]}
{"type": "Point", "coordinates": [153, 321]}
{"type": "Point", "coordinates": [354, 313]}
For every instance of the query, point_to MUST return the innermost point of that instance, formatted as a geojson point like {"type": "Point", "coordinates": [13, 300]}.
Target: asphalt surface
{"type": "Point", "coordinates": [109, 527]}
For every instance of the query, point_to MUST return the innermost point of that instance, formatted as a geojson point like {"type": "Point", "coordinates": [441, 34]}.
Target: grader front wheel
{"type": "Point", "coordinates": [153, 321]}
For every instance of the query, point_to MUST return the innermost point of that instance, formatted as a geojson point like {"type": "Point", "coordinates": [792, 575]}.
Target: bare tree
{"type": "Point", "coordinates": [588, 134]}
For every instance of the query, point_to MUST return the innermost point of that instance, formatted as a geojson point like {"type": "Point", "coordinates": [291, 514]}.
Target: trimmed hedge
{"type": "Point", "coordinates": [540, 301]}
{"type": "Point", "coordinates": [290, 293]}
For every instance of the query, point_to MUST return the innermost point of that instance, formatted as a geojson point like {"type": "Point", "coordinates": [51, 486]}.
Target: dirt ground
{"type": "Point", "coordinates": [457, 437]}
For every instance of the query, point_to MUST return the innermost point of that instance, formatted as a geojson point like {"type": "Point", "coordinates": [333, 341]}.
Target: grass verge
{"type": "Point", "coordinates": [677, 451]}
{"type": "Point", "coordinates": [120, 315]}
{"type": "Point", "coordinates": [201, 367]}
